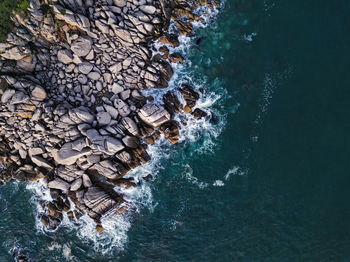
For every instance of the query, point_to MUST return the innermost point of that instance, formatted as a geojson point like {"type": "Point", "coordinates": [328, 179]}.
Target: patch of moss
{"type": "Point", "coordinates": [7, 8]}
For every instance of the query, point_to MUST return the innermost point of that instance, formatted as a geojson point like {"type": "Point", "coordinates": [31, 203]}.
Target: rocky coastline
{"type": "Point", "coordinates": [72, 108]}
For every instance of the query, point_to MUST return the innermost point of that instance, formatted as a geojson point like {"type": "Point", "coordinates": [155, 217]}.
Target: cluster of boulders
{"type": "Point", "coordinates": [72, 109]}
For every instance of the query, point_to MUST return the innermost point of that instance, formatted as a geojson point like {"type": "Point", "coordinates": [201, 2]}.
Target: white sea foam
{"type": "Point", "coordinates": [249, 37]}
{"type": "Point", "coordinates": [218, 183]}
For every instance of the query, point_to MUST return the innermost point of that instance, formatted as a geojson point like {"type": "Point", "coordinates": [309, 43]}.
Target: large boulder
{"type": "Point", "coordinates": [98, 201]}
{"type": "Point", "coordinates": [154, 115]}
{"type": "Point", "coordinates": [68, 156]}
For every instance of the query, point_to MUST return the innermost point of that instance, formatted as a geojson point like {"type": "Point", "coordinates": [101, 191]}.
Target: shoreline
{"type": "Point", "coordinates": [81, 100]}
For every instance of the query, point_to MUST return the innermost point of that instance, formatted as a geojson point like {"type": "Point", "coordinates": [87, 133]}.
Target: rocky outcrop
{"type": "Point", "coordinates": [72, 109]}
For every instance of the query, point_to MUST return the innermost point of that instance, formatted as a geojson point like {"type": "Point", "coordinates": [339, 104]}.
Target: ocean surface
{"type": "Point", "coordinates": [266, 178]}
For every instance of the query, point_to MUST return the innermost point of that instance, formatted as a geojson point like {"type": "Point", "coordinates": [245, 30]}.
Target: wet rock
{"type": "Point", "coordinates": [199, 113]}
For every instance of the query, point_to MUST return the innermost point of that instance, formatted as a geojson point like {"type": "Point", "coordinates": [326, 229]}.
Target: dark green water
{"type": "Point", "coordinates": [282, 155]}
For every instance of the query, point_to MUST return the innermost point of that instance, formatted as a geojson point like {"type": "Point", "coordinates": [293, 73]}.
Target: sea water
{"type": "Point", "coordinates": [263, 178]}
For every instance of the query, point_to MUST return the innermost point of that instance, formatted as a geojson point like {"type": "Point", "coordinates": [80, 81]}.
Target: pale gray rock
{"type": "Point", "coordinates": [19, 98]}
{"type": "Point", "coordinates": [98, 201]}
{"type": "Point", "coordinates": [123, 108]}
{"type": "Point", "coordinates": [58, 183]}
{"type": "Point", "coordinates": [42, 162]}
{"type": "Point", "coordinates": [112, 111]}
{"type": "Point", "coordinates": [83, 115]}
{"type": "Point", "coordinates": [81, 46]}
{"type": "Point", "coordinates": [86, 181]}
{"type": "Point", "coordinates": [103, 118]}
{"type": "Point", "coordinates": [113, 145]}
{"type": "Point", "coordinates": [85, 67]}
{"type": "Point", "coordinates": [65, 56]}
{"type": "Point", "coordinates": [124, 157]}
{"type": "Point", "coordinates": [117, 67]}
{"type": "Point", "coordinates": [154, 115]}
{"type": "Point", "coordinates": [93, 159]}
{"type": "Point", "coordinates": [94, 76]}
{"type": "Point", "coordinates": [39, 93]}
{"type": "Point", "coordinates": [116, 88]}
{"type": "Point", "coordinates": [131, 126]}
{"type": "Point", "coordinates": [148, 9]}
{"type": "Point", "coordinates": [82, 79]}
{"type": "Point", "coordinates": [6, 96]}
{"type": "Point", "coordinates": [68, 156]}
{"type": "Point", "coordinates": [79, 144]}
{"type": "Point", "coordinates": [35, 151]}
{"type": "Point", "coordinates": [102, 27]}
{"type": "Point", "coordinates": [76, 185]}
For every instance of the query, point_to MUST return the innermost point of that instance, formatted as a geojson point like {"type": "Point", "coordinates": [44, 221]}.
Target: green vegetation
{"type": "Point", "coordinates": [7, 7]}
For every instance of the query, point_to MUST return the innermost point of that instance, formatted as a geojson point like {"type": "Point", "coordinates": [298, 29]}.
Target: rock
{"type": "Point", "coordinates": [102, 27]}
{"type": "Point", "coordinates": [112, 111]}
{"type": "Point", "coordinates": [76, 184]}
{"type": "Point", "coordinates": [187, 109]}
{"type": "Point", "coordinates": [131, 126]}
{"type": "Point", "coordinates": [58, 183]}
{"type": "Point", "coordinates": [103, 118]}
{"type": "Point", "coordinates": [68, 156]}
{"type": "Point", "coordinates": [39, 93]}
{"type": "Point", "coordinates": [113, 145]}
{"type": "Point", "coordinates": [99, 228]}
{"type": "Point", "coordinates": [176, 58]}
{"type": "Point", "coordinates": [82, 115]}
{"type": "Point", "coordinates": [148, 9]}
{"type": "Point", "coordinates": [42, 162]}
{"type": "Point", "coordinates": [98, 201]}
{"type": "Point", "coordinates": [199, 113]}
{"type": "Point", "coordinates": [65, 56]}
{"type": "Point", "coordinates": [86, 181]}
{"type": "Point", "coordinates": [169, 40]}
{"type": "Point", "coordinates": [6, 96]}
{"type": "Point", "coordinates": [94, 76]}
{"type": "Point", "coordinates": [123, 108]}
{"type": "Point", "coordinates": [154, 115]}
{"type": "Point", "coordinates": [117, 67]}
{"type": "Point", "coordinates": [79, 144]}
{"type": "Point", "coordinates": [85, 67]}
{"type": "Point", "coordinates": [19, 98]}
{"type": "Point", "coordinates": [82, 79]}
{"type": "Point", "coordinates": [116, 89]}
{"type": "Point", "coordinates": [124, 157]}
{"type": "Point", "coordinates": [131, 141]}
{"type": "Point", "coordinates": [93, 159]}
{"type": "Point", "coordinates": [81, 46]}
{"type": "Point", "coordinates": [35, 151]}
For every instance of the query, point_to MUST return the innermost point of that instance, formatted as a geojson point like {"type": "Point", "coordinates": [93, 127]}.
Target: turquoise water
{"type": "Point", "coordinates": [265, 180]}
